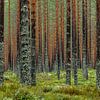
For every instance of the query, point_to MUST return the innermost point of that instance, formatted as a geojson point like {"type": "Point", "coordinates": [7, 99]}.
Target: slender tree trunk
{"type": "Point", "coordinates": [1, 20]}
{"type": "Point", "coordinates": [57, 34]}
{"type": "Point", "coordinates": [79, 33]}
{"type": "Point", "coordinates": [98, 46]}
{"type": "Point", "coordinates": [62, 33]}
{"type": "Point", "coordinates": [9, 34]}
{"type": "Point", "coordinates": [37, 37]}
{"type": "Point", "coordinates": [89, 32]}
{"type": "Point", "coordinates": [74, 53]}
{"type": "Point", "coordinates": [68, 43]}
{"type": "Point", "coordinates": [84, 65]}
{"type": "Point", "coordinates": [40, 35]}
{"type": "Point", "coordinates": [18, 35]}
{"type": "Point", "coordinates": [18, 24]}
{"type": "Point", "coordinates": [45, 35]}
{"type": "Point", "coordinates": [33, 36]}
{"type": "Point", "coordinates": [1, 39]}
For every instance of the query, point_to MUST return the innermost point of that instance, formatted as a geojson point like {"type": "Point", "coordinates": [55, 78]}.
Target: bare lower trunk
{"type": "Point", "coordinates": [98, 45]}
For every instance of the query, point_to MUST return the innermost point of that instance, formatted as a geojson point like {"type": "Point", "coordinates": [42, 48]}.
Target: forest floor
{"type": "Point", "coordinates": [50, 88]}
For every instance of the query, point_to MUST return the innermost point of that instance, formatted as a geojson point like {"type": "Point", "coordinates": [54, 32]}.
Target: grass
{"type": "Point", "coordinates": [49, 88]}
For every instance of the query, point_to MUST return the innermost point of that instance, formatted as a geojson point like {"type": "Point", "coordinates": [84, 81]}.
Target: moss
{"type": "Point", "coordinates": [49, 88]}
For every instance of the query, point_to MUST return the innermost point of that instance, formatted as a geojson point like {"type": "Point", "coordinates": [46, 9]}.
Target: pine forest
{"type": "Point", "coordinates": [49, 49]}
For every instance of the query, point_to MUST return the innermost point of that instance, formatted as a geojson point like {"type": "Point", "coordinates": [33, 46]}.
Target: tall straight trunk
{"type": "Point", "coordinates": [84, 19]}
{"type": "Point", "coordinates": [32, 36]}
{"type": "Point", "coordinates": [98, 46]}
{"type": "Point", "coordinates": [77, 35]}
{"type": "Point", "coordinates": [18, 25]}
{"type": "Point", "coordinates": [79, 31]}
{"type": "Point", "coordinates": [1, 39]}
{"type": "Point", "coordinates": [13, 35]}
{"type": "Point", "coordinates": [9, 33]}
{"type": "Point", "coordinates": [62, 32]}
{"type": "Point", "coordinates": [74, 53]}
{"type": "Point", "coordinates": [68, 43]}
{"type": "Point", "coordinates": [18, 35]}
{"type": "Point", "coordinates": [1, 20]}
{"type": "Point", "coordinates": [94, 50]}
{"type": "Point", "coordinates": [57, 34]}
{"type": "Point", "coordinates": [25, 49]}
{"type": "Point", "coordinates": [14, 45]}
{"type": "Point", "coordinates": [48, 35]}
{"type": "Point", "coordinates": [40, 35]}
{"type": "Point", "coordinates": [45, 35]}
{"type": "Point", "coordinates": [49, 39]}
{"type": "Point", "coordinates": [37, 37]}
{"type": "Point", "coordinates": [55, 45]}
{"type": "Point", "coordinates": [6, 39]}
{"type": "Point", "coordinates": [89, 32]}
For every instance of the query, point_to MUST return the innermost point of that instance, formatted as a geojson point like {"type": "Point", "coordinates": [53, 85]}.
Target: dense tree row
{"type": "Point", "coordinates": [45, 36]}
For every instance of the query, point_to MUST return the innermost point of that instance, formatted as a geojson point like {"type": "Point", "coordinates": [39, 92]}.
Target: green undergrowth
{"type": "Point", "coordinates": [50, 88]}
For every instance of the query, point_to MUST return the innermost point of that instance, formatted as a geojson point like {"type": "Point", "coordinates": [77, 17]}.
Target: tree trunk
{"type": "Point", "coordinates": [57, 34]}
{"type": "Point", "coordinates": [33, 36]}
{"type": "Point", "coordinates": [62, 34]}
{"type": "Point", "coordinates": [40, 36]}
{"type": "Point", "coordinates": [98, 46]}
{"type": "Point", "coordinates": [79, 30]}
{"type": "Point", "coordinates": [25, 49]}
{"type": "Point", "coordinates": [45, 35]}
{"type": "Point", "coordinates": [68, 44]}
{"type": "Point", "coordinates": [1, 20]}
{"type": "Point", "coordinates": [89, 32]}
{"type": "Point", "coordinates": [74, 35]}
{"type": "Point", "coordinates": [84, 16]}
{"type": "Point", "coordinates": [1, 39]}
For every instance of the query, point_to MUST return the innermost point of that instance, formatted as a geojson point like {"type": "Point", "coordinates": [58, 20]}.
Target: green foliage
{"type": "Point", "coordinates": [98, 75]}
{"type": "Point", "coordinates": [49, 88]}
{"type": "Point", "coordinates": [24, 95]}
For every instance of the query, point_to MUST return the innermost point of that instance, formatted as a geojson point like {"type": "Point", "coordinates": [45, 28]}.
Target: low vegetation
{"type": "Point", "coordinates": [49, 88]}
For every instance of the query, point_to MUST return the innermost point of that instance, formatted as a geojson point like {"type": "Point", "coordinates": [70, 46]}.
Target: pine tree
{"type": "Point", "coordinates": [79, 34]}
{"type": "Point", "coordinates": [68, 43]}
{"type": "Point", "coordinates": [57, 39]}
{"type": "Point", "coordinates": [84, 19]}
{"type": "Point", "coordinates": [74, 42]}
{"type": "Point", "coordinates": [40, 35]}
{"type": "Point", "coordinates": [89, 32]}
{"type": "Point", "coordinates": [1, 20]}
{"type": "Point", "coordinates": [25, 49]}
{"type": "Point", "coordinates": [1, 39]}
{"type": "Point", "coordinates": [33, 36]}
{"type": "Point", "coordinates": [6, 38]}
{"type": "Point", "coordinates": [62, 34]}
{"type": "Point", "coordinates": [18, 35]}
{"type": "Point", "coordinates": [37, 37]}
{"type": "Point", "coordinates": [45, 35]}
{"type": "Point", "coordinates": [98, 45]}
